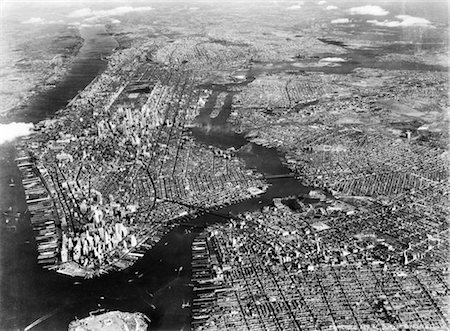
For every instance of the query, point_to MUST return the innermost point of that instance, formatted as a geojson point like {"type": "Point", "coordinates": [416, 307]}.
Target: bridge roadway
{"type": "Point", "coordinates": [205, 210]}
{"type": "Point", "coordinates": [289, 175]}
{"type": "Point", "coordinates": [217, 213]}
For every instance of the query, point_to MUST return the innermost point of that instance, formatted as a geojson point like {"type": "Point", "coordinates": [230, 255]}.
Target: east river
{"type": "Point", "coordinates": [154, 285]}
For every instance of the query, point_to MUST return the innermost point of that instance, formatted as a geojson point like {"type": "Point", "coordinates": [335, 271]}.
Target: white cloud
{"type": "Point", "coordinates": [39, 20]}
{"type": "Point", "coordinates": [330, 62]}
{"type": "Point", "coordinates": [93, 19]}
{"type": "Point", "coordinates": [413, 21]}
{"type": "Point", "coordinates": [85, 25]}
{"type": "Point", "coordinates": [389, 24]}
{"type": "Point", "coordinates": [295, 7]}
{"type": "Point", "coordinates": [322, 2]}
{"type": "Point", "coordinates": [114, 21]}
{"type": "Point", "coordinates": [88, 12]}
{"type": "Point", "coordinates": [331, 7]}
{"type": "Point", "coordinates": [120, 11]}
{"type": "Point", "coordinates": [405, 21]}
{"type": "Point", "coordinates": [340, 21]}
{"type": "Point", "coordinates": [368, 10]}
{"type": "Point", "coordinates": [13, 130]}
{"type": "Point", "coordinates": [332, 59]}
{"type": "Point", "coordinates": [81, 13]}
{"type": "Point", "coordinates": [34, 20]}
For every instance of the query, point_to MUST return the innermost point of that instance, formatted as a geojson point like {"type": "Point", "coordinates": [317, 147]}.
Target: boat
{"type": "Point", "coordinates": [185, 304]}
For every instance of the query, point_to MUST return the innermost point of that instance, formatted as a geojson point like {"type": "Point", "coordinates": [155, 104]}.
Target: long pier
{"type": "Point", "coordinates": [43, 215]}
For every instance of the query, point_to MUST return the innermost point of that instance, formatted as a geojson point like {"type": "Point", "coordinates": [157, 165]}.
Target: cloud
{"type": "Point", "coordinates": [85, 25]}
{"type": "Point", "coordinates": [93, 19]}
{"type": "Point", "coordinates": [81, 13]}
{"type": "Point", "coordinates": [340, 21]}
{"type": "Point", "coordinates": [413, 21]}
{"type": "Point", "coordinates": [34, 20]}
{"type": "Point", "coordinates": [405, 21]}
{"type": "Point", "coordinates": [368, 10]}
{"type": "Point", "coordinates": [322, 2]}
{"type": "Point", "coordinates": [39, 20]}
{"type": "Point", "coordinates": [13, 130]}
{"type": "Point", "coordinates": [332, 59]}
{"type": "Point", "coordinates": [295, 7]}
{"type": "Point", "coordinates": [88, 12]}
{"type": "Point", "coordinates": [386, 23]}
{"type": "Point", "coordinates": [330, 62]}
{"type": "Point", "coordinates": [114, 21]}
{"type": "Point", "coordinates": [331, 7]}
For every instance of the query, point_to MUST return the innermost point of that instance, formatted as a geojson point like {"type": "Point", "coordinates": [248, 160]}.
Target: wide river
{"type": "Point", "coordinates": [153, 285]}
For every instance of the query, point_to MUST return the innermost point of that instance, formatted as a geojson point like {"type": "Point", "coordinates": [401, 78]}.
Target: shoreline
{"type": "Point", "coordinates": [239, 201]}
{"type": "Point", "coordinates": [28, 110]}
{"type": "Point", "coordinates": [53, 76]}
{"type": "Point", "coordinates": [181, 182]}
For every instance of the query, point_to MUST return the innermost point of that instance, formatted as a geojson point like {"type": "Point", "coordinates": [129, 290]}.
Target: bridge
{"type": "Point", "coordinates": [205, 210]}
{"type": "Point", "coordinates": [289, 175]}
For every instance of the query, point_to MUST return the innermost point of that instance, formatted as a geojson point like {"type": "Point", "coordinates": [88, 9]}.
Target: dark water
{"type": "Point", "coordinates": [154, 284]}
{"type": "Point", "coordinates": [85, 67]}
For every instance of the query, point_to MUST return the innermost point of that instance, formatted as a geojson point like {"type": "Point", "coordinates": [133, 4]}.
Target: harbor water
{"type": "Point", "coordinates": [156, 285]}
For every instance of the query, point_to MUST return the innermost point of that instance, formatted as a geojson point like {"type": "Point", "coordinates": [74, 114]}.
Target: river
{"type": "Point", "coordinates": [153, 285]}
{"type": "Point", "coordinates": [85, 67]}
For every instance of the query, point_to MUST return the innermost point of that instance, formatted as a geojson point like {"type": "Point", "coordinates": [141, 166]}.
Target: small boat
{"type": "Point", "coordinates": [11, 183]}
{"type": "Point", "coordinates": [185, 304]}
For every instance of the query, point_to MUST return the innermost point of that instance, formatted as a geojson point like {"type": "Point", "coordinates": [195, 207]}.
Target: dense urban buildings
{"type": "Point", "coordinates": [252, 167]}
